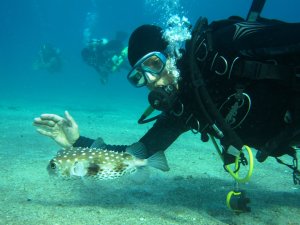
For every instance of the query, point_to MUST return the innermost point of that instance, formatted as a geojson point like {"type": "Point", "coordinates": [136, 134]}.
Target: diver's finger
{"type": "Point", "coordinates": [46, 133]}
{"type": "Point", "coordinates": [46, 128]}
{"type": "Point", "coordinates": [54, 117]}
{"type": "Point", "coordinates": [69, 118]}
{"type": "Point", "coordinates": [39, 121]}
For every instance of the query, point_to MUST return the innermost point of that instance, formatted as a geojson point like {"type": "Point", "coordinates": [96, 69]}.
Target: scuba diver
{"type": "Point", "coordinates": [105, 56]}
{"type": "Point", "coordinates": [237, 81]}
{"type": "Point", "coordinates": [49, 59]}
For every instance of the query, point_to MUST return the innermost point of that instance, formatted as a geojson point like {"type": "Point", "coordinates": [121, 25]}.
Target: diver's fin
{"type": "Point", "coordinates": [98, 143]}
{"type": "Point", "coordinates": [138, 150]}
{"type": "Point", "coordinates": [158, 161]}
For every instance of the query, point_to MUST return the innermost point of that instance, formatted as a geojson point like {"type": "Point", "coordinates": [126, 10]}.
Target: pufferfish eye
{"type": "Point", "coordinates": [52, 165]}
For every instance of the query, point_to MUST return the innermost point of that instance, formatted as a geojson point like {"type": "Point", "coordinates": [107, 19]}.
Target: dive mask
{"type": "Point", "coordinates": [153, 63]}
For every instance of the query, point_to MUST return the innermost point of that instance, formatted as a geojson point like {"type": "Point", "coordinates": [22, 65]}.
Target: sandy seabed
{"type": "Point", "coordinates": [192, 192]}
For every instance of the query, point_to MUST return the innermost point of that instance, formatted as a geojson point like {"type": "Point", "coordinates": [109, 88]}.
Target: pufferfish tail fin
{"type": "Point", "coordinates": [157, 160]}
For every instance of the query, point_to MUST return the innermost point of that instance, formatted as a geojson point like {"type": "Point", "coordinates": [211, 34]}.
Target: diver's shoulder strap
{"type": "Point", "coordinates": [200, 28]}
{"type": "Point", "coordinates": [200, 24]}
{"type": "Point", "coordinates": [202, 33]}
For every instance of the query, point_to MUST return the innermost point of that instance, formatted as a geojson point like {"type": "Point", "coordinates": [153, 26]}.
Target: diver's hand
{"type": "Point", "coordinates": [63, 130]}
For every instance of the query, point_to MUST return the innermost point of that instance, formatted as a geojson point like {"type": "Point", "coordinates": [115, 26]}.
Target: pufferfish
{"type": "Point", "coordinates": [103, 164]}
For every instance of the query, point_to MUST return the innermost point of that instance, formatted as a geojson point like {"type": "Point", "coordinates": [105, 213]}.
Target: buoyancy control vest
{"type": "Point", "coordinates": [212, 77]}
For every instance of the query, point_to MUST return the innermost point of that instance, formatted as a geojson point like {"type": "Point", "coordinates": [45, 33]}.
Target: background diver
{"type": "Point", "coordinates": [106, 56]}
{"type": "Point", "coordinates": [49, 59]}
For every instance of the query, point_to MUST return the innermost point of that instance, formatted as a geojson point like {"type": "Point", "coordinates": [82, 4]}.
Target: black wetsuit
{"type": "Point", "coordinates": [270, 42]}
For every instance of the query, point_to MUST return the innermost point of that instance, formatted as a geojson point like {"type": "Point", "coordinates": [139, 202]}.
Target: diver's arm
{"type": "Point", "coordinates": [87, 142]}
{"type": "Point", "coordinates": [83, 142]}
{"type": "Point", "coordinates": [163, 133]}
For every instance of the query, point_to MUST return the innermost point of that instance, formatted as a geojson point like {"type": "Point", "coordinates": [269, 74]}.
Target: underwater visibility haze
{"type": "Point", "coordinates": [192, 192]}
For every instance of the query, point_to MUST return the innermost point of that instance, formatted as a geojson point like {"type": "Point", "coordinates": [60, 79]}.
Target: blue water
{"type": "Point", "coordinates": [25, 93]}
{"type": "Point", "coordinates": [26, 25]}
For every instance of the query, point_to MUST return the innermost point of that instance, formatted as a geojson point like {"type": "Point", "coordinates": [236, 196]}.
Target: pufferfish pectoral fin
{"type": "Point", "coordinates": [78, 169]}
